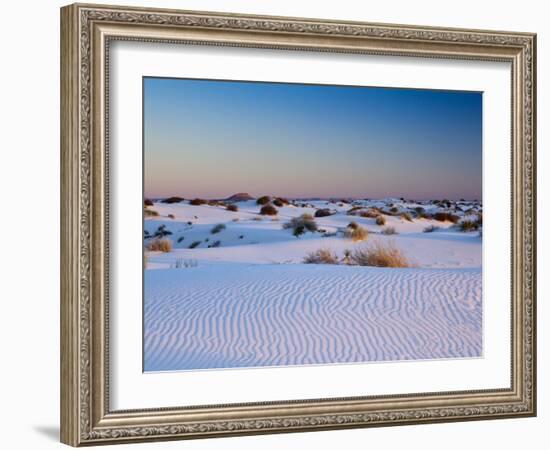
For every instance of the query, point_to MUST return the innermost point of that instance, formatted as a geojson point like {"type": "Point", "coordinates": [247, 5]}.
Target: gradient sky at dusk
{"type": "Point", "coordinates": [212, 139]}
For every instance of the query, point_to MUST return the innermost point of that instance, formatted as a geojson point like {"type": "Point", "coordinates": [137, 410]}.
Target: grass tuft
{"type": "Point", "coordinates": [160, 245]}
{"type": "Point", "coordinates": [321, 256]}
{"type": "Point", "coordinates": [380, 254]}
{"type": "Point", "coordinates": [356, 232]}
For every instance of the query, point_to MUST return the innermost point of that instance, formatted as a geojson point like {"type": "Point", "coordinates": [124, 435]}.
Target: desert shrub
{"type": "Point", "coordinates": [380, 220]}
{"type": "Point", "coordinates": [389, 230]}
{"type": "Point", "coordinates": [217, 228]}
{"type": "Point", "coordinates": [445, 217]}
{"type": "Point", "coordinates": [150, 213]}
{"type": "Point", "coordinates": [162, 232]}
{"type": "Point", "coordinates": [215, 244]}
{"type": "Point", "coordinates": [215, 203]}
{"type": "Point", "coordinates": [194, 244]}
{"type": "Point", "coordinates": [268, 210]}
{"type": "Point", "coordinates": [181, 238]}
{"type": "Point", "coordinates": [160, 245]}
{"type": "Point", "coordinates": [280, 202]}
{"type": "Point", "coordinates": [147, 202]}
{"type": "Point", "coordinates": [394, 210]}
{"type": "Point", "coordinates": [321, 256]}
{"type": "Point", "coordinates": [468, 225]}
{"type": "Point", "coordinates": [430, 229]}
{"type": "Point", "coordinates": [379, 254]}
{"type": "Point", "coordinates": [324, 212]}
{"type": "Point", "coordinates": [406, 216]}
{"type": "Point", "coordinates": [300, 225]}
{"type": "Point", "coordinates": [356, 232]}
{"type": "Point", "coordinates": [419, 210]}
{"type": "Point", "coordinates": [263, 200]}
{"type": "Point", "coordinates": [425, 215]}
{"type": "Point", "coordinates": [232, 207]}
{"type": "Point", "coordinates": [174, 199]}
{"type": "Point", "coordinates": [198, 202]}
{"type": "Point", "coordinates": [171, 216]}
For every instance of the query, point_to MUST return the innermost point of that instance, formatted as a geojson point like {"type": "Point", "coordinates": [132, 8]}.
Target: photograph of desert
{"type": "Point", "coordinates": [290, 224]}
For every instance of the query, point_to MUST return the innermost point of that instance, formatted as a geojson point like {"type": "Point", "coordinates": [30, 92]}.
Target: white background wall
{"type": "Point", "coordinates": [29, 229]}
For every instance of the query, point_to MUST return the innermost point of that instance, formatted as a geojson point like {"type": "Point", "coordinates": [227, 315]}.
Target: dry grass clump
{"type": "Point", "coordinates": [389, 230]}
{"type": "Point", "coordinates": [198, 202]}
{"type": "Point", "coordinates": [268, 210]}
{"type": "Point", "coordinates": [150, 213]}
{"type": "Point", "coordinates": [174, 199]}
{"type": "Point", "coordinates": [321, 256]}
{"type": "Point", "coordinates": [356, 232]}
{"type": "Point", "coordinates": [446, 217]}
{"type": "Point", "coordinates": [380, 220]}
{"type": "Point", "coordinates": [379, 254]}
{"type": "Point", "coordinates": [324, 212]}
{"type": "Point", "coordinates": [468, 225]}
{"type": "Point", "coordinates": [171, 216]}
{"type": "Point", "coordinates": [430, 229]}
{"type": "Point", "coordinates": [264, 200]}
{"type": "Point", "coordinates": [217, 228]}
{"type": "Point", "coordinates": [160, 245]}
{"type": "Point", "coordinates": [406, 216]}
{"type": "Point", "coordinates": [232, 207]}
{"type": "Point", "coordinates": [300, 225]}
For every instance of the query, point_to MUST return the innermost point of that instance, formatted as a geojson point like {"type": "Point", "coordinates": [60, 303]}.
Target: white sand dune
{"type": "Point", "coordinates": [240, 315]}
{"type": "Point", "coordinates": [243, 298]}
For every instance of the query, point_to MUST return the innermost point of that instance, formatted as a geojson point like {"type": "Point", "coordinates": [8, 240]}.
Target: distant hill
{"type": "Point", "coordinates": [240, 197]}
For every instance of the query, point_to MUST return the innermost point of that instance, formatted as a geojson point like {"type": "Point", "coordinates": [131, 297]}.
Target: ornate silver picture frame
{"type": "Point", "coordinates": [87, 32]}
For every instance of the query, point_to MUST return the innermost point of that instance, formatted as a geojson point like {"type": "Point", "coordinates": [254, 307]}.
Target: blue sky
{"type": "Point", "coordinates": [205, 138]}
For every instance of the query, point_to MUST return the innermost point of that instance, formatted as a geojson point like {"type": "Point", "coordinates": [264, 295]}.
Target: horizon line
{"type": "Point", "coordinates": [312, 197]}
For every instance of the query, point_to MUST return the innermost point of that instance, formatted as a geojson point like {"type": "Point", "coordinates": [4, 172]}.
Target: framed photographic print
{"type": "Point", "coordinates": [276, 224]}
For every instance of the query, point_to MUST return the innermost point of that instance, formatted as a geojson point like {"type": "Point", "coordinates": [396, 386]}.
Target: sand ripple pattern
{"type": "Point", "coordinates": [280, 315]}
